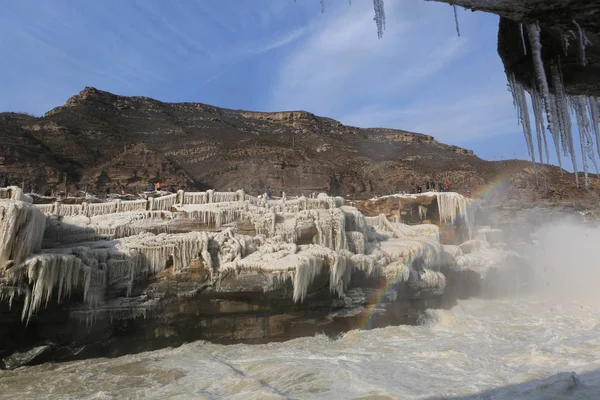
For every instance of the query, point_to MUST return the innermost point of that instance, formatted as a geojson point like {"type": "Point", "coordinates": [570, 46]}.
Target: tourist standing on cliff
{"type": "Point", "coordinates": [441, 186]}
{"type": "Point", "coordinates": [269, 193]}
{"type": "Point", "coordinates": [447, 187]}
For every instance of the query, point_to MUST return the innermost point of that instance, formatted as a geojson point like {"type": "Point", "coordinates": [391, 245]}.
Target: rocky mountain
{"type": "Point", "coordinates": [98, 140]}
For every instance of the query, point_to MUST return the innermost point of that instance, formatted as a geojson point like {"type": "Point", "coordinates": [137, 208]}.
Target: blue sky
{"type": "Point", "coordinates": [270, 55]}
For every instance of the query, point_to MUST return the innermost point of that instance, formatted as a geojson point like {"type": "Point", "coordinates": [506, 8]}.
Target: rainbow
{"type": "Point", "coordinates": [381, 292]}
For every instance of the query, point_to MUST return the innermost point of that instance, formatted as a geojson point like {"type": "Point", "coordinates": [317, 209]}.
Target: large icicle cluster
{"type": "Point", "coordinates": [451, 205]}
{"type": "Point", "coordinates": [21, 232]}
{"type": "Point", "coordinates": [47, 273]}
{"type": "Point", "coordinates": [558, 108]}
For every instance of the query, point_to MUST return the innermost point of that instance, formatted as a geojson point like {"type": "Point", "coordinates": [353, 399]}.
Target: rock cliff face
{"type": "Point", "coordinates": [99, 140]}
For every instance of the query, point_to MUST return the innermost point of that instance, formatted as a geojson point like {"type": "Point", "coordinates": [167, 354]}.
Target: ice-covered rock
{"type": "Point", "coordinates": [125, 259]}
{"type": "Point", "coordinates": [21, 232]}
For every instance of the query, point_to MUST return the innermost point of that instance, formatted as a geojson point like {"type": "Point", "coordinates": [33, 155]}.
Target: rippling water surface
{"type": "Point", "coordinates": [501, 345]}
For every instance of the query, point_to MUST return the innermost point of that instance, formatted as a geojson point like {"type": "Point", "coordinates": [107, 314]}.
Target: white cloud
{"type": "Point", "coordinates": [419, 77]}
{"type": "Point", "coordinates": [455, 122]}
{"type": "Point", "coordinates": [277, 42]}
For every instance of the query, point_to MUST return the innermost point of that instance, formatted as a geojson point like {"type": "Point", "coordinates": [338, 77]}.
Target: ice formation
{"type": "Point", "coordinates": [379, 17]}
{"type": "Point", "coordinates": [522, 29]}
{"type": "Point", "coordinates": [583, 42]}
{"type": "Point", "coordinates": [93, 253]}
{"type": "Point", "coordinates": [451, 206]}
{"type": "Point", "coordinates": [533, 32]}
{"type": "Point", "coordinates": [520, 103]}
{"type": "Point", "coordinates": [540, 129]}
{"type": "Point", "coordinates": [557, 107]}
{"type": "Point", "coordinates": [455, 9]}
{"type": "Point", "coordinates": [14, 193]}
{"type": "Point", "coordinates": [47, 273]}
{"type": "Point", "coordinates": [422, 212]}
{"type": "Point", "coordinates": [594, 112]}
{"type": "Point", "coordinates": [21, 231]}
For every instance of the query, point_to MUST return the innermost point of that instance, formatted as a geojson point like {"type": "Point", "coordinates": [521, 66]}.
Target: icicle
{"type": "Point", "coordinates": [564, 118]}
{"type": "Point", "coordinates": [456, 19]}
{"type": "Point", "coordinates": [520, 103]}
{"type": "Point", "coordinates": [589, 142]}
{"type": "Point", "coordinates": [594, 111]}
{"type": "Point", "coordinates": [575, 105]}
{"type": "Point", "coordinates": [533, 32]}
{"type": "Point", "coordinates": [164, 202]}
{"type": "Point", "coordinates": [579, 106]}
{"type": "Point", "coordinates": [450, 205]}
{"type": "Point", "coordinates": [47, 272]}
{"type": "Point", "coordinates": [537, 105]}
{"type": "Point", "coordinates": [522, 28]}
{"type": "Point", "coordinates": [422, 212]}
{"type": "Point", "coordinates": [583, 41]}
{"type": "Point", "coordinates": [379, 17]}
{"type": "Point", "coordinates": [21, 231]}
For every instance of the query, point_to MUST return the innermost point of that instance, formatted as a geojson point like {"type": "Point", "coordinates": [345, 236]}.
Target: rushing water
{"type": "Point", "coordinates": [481, 349]}
{"type": "Point", "coordinates": [476, 346]}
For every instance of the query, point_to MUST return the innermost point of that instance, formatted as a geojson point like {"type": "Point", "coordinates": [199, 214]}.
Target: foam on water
{"type": "Point", "coordinates": [477, 346]}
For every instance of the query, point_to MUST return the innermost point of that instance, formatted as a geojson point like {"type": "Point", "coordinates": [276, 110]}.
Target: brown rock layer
{"type": "Point", "coordinates": [99, 140]}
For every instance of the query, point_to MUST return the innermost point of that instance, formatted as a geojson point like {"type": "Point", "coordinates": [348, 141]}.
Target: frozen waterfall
{"type": "Point", "coordinates": [84, 252]}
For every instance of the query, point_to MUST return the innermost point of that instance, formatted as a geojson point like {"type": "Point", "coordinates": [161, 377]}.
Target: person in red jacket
{"type": "Point", "coordinates": [447, 187]}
